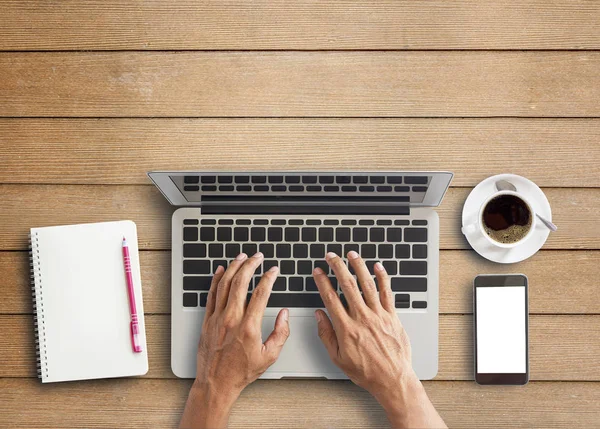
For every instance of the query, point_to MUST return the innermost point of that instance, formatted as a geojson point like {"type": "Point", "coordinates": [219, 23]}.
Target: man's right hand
{"type": "Point", "coordinates": [367, 341]}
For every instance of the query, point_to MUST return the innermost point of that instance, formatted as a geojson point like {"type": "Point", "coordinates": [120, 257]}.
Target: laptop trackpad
{"type": "Point", "coordinates": [303, 355]}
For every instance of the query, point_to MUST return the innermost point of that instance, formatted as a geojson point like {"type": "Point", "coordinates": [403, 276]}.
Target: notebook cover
{"type": "Point", "coordinates": [81, 302]}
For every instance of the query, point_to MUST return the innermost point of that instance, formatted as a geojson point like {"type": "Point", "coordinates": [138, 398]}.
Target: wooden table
{"type": "Point", "coordinates": [94, 94]}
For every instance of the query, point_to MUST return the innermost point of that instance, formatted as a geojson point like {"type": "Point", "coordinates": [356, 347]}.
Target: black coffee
{"type": "Point", "coordinates": [506, 219]}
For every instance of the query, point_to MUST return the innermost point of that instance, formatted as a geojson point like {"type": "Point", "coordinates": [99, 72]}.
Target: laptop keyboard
{"type": "Point", "coordinates": [297, 246]}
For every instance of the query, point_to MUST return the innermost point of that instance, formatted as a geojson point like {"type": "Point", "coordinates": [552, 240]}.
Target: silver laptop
{"type": "Point", "coordinates": [294, 219]}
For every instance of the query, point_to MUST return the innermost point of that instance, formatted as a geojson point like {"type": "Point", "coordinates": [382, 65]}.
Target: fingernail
{"type": "Point", "coordinates": [318, 316]}
{"type": "Point", "coordinates": [353, 255]}
{"type": "Point", "coordinates": [273, 269]}
{"type": "Point", "coordinates": [241, 256]}
{"type": "Point", "coordinates": [379, 267]}
{"type": "Point", "coordinates": [219, 269]}
{"type": "Point", "coordinates": [330, 255]}
{"type": "Point", "coordinates": [318, 271]}
{"type": "Point", "coordinates": [257, 255]}
{"type": "Point", "coordinates": [286, 314]}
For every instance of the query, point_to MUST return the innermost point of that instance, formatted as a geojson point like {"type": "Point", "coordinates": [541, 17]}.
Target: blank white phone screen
{"type": "Point", "coordinates": [501, 336]}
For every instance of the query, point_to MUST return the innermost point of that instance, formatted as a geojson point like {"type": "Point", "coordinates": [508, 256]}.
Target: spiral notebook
{"type": "Point", "coordinates": [81, 305]}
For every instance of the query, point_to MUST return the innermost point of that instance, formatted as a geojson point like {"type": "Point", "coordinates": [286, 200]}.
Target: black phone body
{"type": "Point", "coordinates": [501, 329]}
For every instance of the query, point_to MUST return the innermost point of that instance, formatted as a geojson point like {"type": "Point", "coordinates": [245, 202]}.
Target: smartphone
{"type": "Point", "coordinates": [501, 318]}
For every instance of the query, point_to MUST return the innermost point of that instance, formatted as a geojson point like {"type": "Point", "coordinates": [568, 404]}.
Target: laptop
{"type": "Point", "coordinates": [294, 219]}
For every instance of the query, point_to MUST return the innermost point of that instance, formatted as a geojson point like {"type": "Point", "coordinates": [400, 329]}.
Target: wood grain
{"type": "Point", "coordinates": [551, 152]}
{"type": "Point", "coordinates": [309, 84]}
{"type": "Point", "coordinates": [134, 403]}
{"type": "Point", "coordinates": [569, 290]}
{"type": "Point", "coordinates": [556, 344]}
{"type": "Point", "coordinates": [575, 211]}
{"type": "Point", "coordinates": [382, 24]}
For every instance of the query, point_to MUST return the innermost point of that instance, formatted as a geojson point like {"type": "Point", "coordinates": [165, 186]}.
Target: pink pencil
{"type": "Point", "coordinates": [135, 329]}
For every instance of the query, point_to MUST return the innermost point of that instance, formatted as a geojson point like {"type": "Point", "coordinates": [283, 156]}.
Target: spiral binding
{"type": "Point", "coordinates": [38, 306]}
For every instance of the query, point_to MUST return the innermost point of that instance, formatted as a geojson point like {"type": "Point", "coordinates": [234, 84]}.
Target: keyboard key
{"type": "Point", "coordinates": [208, 222]}
{"type": "Point", "coordinates": [203, 299]}
{"type": "Point", "coordinates": [275, 234]}
{"type": "Point", "coordinates": [240, 234]}
{"type": "Point", "coordinates": [309, 179]}
{"type": "Point", "coordinates": [415, 235]}
{"type": "Point", "coordinates": [377, 235]}
{"type": "Point", "coordinates": [415, 180]}
{"type": "Point", "coordinates": [219, 263]}
{"type": "Point", "coordinates": [305, 267]}
{"type": "Point", "coordinates": [359, 235]}
{"type": "Point", "coordinates": [386, 251]}
{"type": "Point", "coordinates": [261, 222]}
{"type": "Point", "coordinates": [413, 268]}
{"type": "Point", "coordinates": [384, 189]}
{"type": "Point", "coordinates": [402, 251]}
{"type": "Point", "coordinates": [190, 221]}
{"type": "Point", "coordinates": [296, 188]}
{"type": "Point", "coordinates": [409, 284]}
{"type": "Point", "coordinates": [309, 234]}
{"type": "Point", "coordinates": [394, 235]}
{"type": "Point", "coordinates": [242, 179]}
{"type": "Point", "coordinates": [335, 248]}
{"type": "Point", "coordinates": [384, 222]}
{"type": "Point", "coordinates": [322, 265]}
{"type": "Point", "coordinates": [215, 250]}
{"type": "Point", "coordinates": [197, 282]}
{"type": "Point", "coordinates": [194, 250]}
{"type": "Point", "coordinates": [368, 251]}
{"type": "Point", "coordinates": [349, 248]}
{"type": "Point", "coordinates": [196, 266]}
{"type": "Point", "coordinates": [334, 282]}
{"type": "Point", "coordinates": [419, 188]}
{"type": "Point", "coordinates": [394, 179]}
{"type": "Point", "coordinates": [292, 179]}
{"type": "Point", "coordinates": [349, 188]}
{"type": "Point", "coordinates": [243, 188]}
{"type": "Point", "coordinates": [419, 222]}
{"type": "Point", "coordinates": [297, 300]}
{"type": "Point", "coordinates": [269, 263]}
{"type": "Point", "coordinates": [249, 248]}
{"type": "Point", "coordinates": [243, 222]}
{"type": "Point", "coordinates": [361, 179]}
{"type": "Point", "coordinates": [190, 300]}
{"type": "Point", "coordinates": [348, 222]}
{"type": "Point", "coordinates": [402, 301]}
{"type": "Point", "coordinates": [317, 251]}
{"type": "Point", "coordinates": [191, 179]}
{"type": "Point", "coordinates": [225, 179]}
{"type": "Point", "coordinates": [278, 222]}
{"type": "Point", "coordinates": [377, 179]}
{"type": "Point", "coordinates": [331, 222]}
{"type": "Point", "coordinates": [296, 284]}
{"type": "Point", "coordinates": [370, 265]}
{"type": "Point", "coordinates": [259, 179]}
{"type": "Point", "coordinates": [296, 222]}
{"type": "Point", "coordinates": [226, 188]}
{"type": "Point", "coordinates": [287, 267]}
{"type": "Point", "coordinates": [280, 284]}
{"type": "Point", "coordinates": [275, 179]}
{"type": "Point", "coordinates": [314, 188]}
{"type": "Point", "coordinates": [258, 234]}
{"type": "Point", "coordinates": [391, 267]}
{"type": "Point", "coordinates": [267, 249]}
{"type": "Point", "coordinates": [419, 251]}
{"type": "Point", "coordinates": [343, 179]}
{"type": "Point", "coordinates": [278, 188]}
{"type": "Point", "coordinates": [225, 221]}
{"type": "Point", "coordinates": [300, 250]}
{"type": "Point", "coordinates": [400, 222]}
{"type": "Point", "coordinates": [325, 235]}
{"type": "Point", "coordinates": [331, 188]}
{"type": "Point", "coordinates": [401, 188]}
{"type": "Point", "coordinates": [311, 286]}
{"type": "Point", "coordinates": [208, 179]}
{"type": "Point", "coordinates": [261, 188]}
{"type": "Point", "coordinates": [325, 179]}
{"type": "Point", "coordinates": [232, 250]}
{"type": "Point", "coordinates": [419, 304]}
{"type": "Point", "coordinates": [313, 222]}
{"type": "Point", "coordinates": [366, 222]}
{"type": "Point", "coordinates": [366, 188]}
{"type": "Point", "coordinates": [342, 234]}
{"type": "Point", "coordinates": [283, 250]}
{"type": "Point", "coordinates": [223, 234]}
{"type": "Point", "coordinates": [190, 233]}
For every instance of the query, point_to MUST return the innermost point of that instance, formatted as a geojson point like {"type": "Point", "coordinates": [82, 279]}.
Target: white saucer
{"type": "Point", "coordinates": [481, 244]}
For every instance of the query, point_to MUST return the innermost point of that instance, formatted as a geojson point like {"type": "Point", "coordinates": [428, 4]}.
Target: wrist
{"type": "Point", "coordinates": [403, 398]}
{"type": "Point", "coordinates": [208, 406]}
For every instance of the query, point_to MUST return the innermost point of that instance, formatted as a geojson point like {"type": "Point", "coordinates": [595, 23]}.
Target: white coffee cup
{"type": "Point", "coordinates": [479, 226]}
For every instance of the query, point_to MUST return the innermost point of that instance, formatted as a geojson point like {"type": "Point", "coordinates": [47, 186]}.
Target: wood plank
{"type": "Point", "coordinates": [134, 403]}
{"type": "Point", "coordinates": [556, 342]}
{"type": "Point", "coordinates": [121, 151]}
{"type": "Point", "coordinates": [570, 290]}
{"type": "Point", "coordinates": [382, 24]}
{"type": "Point", "coordinates": [574, 211]}
{"type": "Point", "coordinates": [311, 84]}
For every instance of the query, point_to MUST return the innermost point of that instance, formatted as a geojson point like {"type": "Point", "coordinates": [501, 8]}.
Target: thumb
{"type": "Point", "coordinates": [279, 336]}
{"type": "Point", "coordinates": [327, 334]}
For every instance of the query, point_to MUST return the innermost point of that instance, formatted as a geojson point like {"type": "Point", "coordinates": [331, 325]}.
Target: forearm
{"type": "Point", "coordinates": [206, 409]}
{"type": "Point", "coordinates": [408, 406]}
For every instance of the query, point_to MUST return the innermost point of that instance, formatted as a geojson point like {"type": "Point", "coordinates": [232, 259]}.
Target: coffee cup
{"type": "Point", "coordinates": [506, 219]}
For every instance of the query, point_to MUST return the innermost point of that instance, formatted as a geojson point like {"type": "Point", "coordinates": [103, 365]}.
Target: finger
{"type": "Point", "coordinates": [330, 298]}
{"type": "Point", "coordinates": [327, 334]}
{"type": "Point", "coordinates": [365, 280]}
{"type": "Point", "coordinates": [385, 291]}
{"type": "Point", "coordinates": [274, 343]}
{"type": "Point", "coordinates": [225, 283]}
{"type": "Point", "coordinates": [260, 296]}
{"type": "Point", "coordinates": [346, 282]}
{"type": "Point", "coordinates": [212, 292]}
{"type": "Point", "coordinates": [238, 290]}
